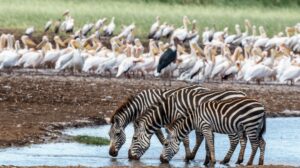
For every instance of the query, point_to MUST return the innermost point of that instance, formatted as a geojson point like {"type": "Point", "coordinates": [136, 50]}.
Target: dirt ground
{"type": "Point", "coordinates": [34, 108]}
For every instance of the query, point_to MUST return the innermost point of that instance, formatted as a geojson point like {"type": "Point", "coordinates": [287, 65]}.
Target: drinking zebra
{"type": "Point", "coordinates": [178, 105]}
{"type": "Point", "coordinates": [233, 116]}
{"type": "Point", "coordinates": [132, 108]}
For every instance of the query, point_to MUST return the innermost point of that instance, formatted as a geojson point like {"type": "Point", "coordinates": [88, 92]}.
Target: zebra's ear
{"type": "Point", "coordinates": [170, 132]}
{"type": "Point", "coordinates": [167, 130]}
{"type": "Point", "coordinates": [117, 121]}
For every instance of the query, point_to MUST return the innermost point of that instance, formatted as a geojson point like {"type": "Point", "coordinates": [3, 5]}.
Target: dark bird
{"type": "Point", "coordinates": [169, 56]}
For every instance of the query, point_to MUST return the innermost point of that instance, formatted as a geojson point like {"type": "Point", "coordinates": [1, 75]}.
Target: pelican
{"type": "Point", "coordinates": [99, 24]}
{"type": "Point", "coordinates": [231, 38]}
{"type": "Point", "coordinates": [87, 28]}
{"type": "Point", "coordinates": [127, 63]}
{"type": "Point", "coordinates": [57, 25]}
{"type": "Point", "coordinates": [28, 43]}
{"type": "Point", "coordinates": [53, 54]}
{"type": "Point", "coordinates": [126, 31]}
{"type": "Point", "coordinates": [47, 26]}
{"type": "Point", "coordinates": [69, 25]}
{"type": "Point", "coordinates": [181, 33]}
{"type": "Point", "coordinates": [291, 73]}
{"type": "Point", "coordinates": [207, 35]}
{"type": "Point", "coordinates": [168, 30]}
{"type": "Point", "coordinates": [154, 28]}
{"type": "Point", "coordinates": [159, 32]}
{"type": "Point", "coordinates": [109, 29]}
{"type": "Point", "coordinates": [11, 56]}
{"type": "Point", "coordinates": [29, 31]}
{"type": "Point", "coordinates": [32, 59]}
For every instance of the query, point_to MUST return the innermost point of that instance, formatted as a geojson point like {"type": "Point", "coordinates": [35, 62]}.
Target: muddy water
{"type": "Point", "coordinates": [283, 147]}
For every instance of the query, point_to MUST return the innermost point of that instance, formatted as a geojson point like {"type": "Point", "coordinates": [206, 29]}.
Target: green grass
{"type": "Point", "coordinates": [91, 140]}
{"type": "Point", "coordinates": [24, 13]}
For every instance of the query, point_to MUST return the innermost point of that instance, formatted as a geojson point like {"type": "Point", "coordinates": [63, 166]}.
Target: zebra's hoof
{"type": "Point", "coordinates": [189, 157]}
{"type": "Point", "coordinates": [249, 163]}
{"type": "Point", "coordinates": [261, 162]}
{"type": "Point", "coordinates": [163, 160]}
{"type": "Point", "coordinates": [239, 161]}
{"type": "Point", "coordinates": [206, 163]}
{"type": "Point", "coordinates": [225, 161]}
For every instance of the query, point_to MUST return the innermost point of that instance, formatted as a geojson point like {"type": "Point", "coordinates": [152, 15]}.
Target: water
{"type": "Point", "coordinates": [282, 137]}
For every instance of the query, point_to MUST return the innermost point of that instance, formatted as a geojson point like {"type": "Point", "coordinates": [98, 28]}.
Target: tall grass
{"type": "Point", "coordinates": [23, 13]}
{"type": "Point", "coordinates": [255, 3]}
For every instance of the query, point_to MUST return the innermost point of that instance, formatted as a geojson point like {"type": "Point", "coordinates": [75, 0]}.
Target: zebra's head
{"type": "Point", "coordinates": [171, 147]}
{"type": "Point", "coordinates": [117, 137]}
{"type": "Point", "coordinates": [140, 142]}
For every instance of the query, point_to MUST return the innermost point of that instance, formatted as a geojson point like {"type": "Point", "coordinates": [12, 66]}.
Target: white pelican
{"type": "Point", "coordinates": [47, 26]}
{"type": "Point", "coordinates": [181, 33]}
{"type": "Point", "coordinates": [99, 24]}
{"type": "Point", "coordinates": [87, 28]}
{"type": "Point", "coordinates": [126, 31]}
{"type": "Point", "coordinates": [11, 56]}
{"type": "Point", "coordinates": [258, 72]}
{"type": "Point", "coordinates": [29, 31]}
{"type": "Point", "coordinates": [158, 34]}
{"type": "Point", "coordinates": [53, 54]}
{"type": "Point", "coordinates": [168, 30]}
{"type": "Point", "coordinates": [109, 29]}
{"type": "Point", "coordinates": [154, 27]}
{"type": "Point", "coordinates": [291, 73]}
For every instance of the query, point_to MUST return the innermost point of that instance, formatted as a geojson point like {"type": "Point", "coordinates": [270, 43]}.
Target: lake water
{"type": "Point", "coordinates": [282, 137]}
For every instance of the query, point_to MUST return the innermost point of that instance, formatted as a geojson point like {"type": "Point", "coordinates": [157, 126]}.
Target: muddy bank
{"type": "Point", "coordinates": [34, 108]}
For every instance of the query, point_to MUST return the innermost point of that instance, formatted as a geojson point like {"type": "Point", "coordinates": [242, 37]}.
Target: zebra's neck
{"type": "Point", "coordinates": [158, 116]}
{"type": "Point", "coordinates": [182, 127]}
{"type": "Point", "coordinates": [139, 104]}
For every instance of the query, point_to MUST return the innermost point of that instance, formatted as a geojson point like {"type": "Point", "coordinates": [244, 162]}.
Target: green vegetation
{"type": "Point", "coordinates": [91, 140]}
{"type": "Point", "coordinates": [20, 14]}
{"type": "Point", "coordinates": [257, 3]}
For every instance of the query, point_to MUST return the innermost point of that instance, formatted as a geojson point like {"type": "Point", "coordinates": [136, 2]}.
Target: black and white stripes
{"type": "Point", "coordinates": [181, 103]}
{"type": "Point", "coordinates": [131, 109]}
{"type": "Point", "coordinates": [232, 116]}
{"type": "Point", "coordinates": [190, 108]}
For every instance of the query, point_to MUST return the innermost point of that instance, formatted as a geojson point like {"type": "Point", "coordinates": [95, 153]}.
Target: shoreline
{"type": "Point", "coordinates": [37, 107]}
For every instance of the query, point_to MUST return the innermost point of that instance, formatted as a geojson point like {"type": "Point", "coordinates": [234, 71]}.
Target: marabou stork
{"type": "Point", "coordinates": [166, 59]}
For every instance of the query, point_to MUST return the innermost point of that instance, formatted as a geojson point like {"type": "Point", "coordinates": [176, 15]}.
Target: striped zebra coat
{"type": "Point", "coordinates": [180, 104]}
{"type": "Point", "coordinates": [233, 116]}
{"type": "Point", "coordinates": [132, 108]}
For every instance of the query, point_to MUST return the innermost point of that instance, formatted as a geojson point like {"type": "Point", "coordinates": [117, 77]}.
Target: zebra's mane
{"type": "Point", "coordinates": [123, 105]}
{"type": "Point", "coordinates": [175, 123]}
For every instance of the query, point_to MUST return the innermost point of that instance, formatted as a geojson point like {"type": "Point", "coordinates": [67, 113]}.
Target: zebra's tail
{"type": "Point", "coordinates": [264, 126]}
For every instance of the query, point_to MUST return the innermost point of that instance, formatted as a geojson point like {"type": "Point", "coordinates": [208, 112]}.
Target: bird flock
{"type": "Point", "coordinates": [178, 51]}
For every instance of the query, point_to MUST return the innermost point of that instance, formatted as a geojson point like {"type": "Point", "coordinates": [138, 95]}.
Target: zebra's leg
{"type": "Point", "coordinates": [207, 156]}
{"type": "Point", "coordinates": [262, 146]}
{"type": "Point", "coordinates": [243, 142]}
{"type": "Point", "coordinates": [234, 140]}
{"type": "Point", "coordinates": [208, 134]}
{"type": "Point", "coordinates": [130, 147]}
{"type": "Point", "coordinates": [254, 145]}
{"type": "Point", "coordinates": [186, 143]}
{"type": "Point", "coordinates": [160, 136]}
{"type": "Point", "coordinates": [199, 139]}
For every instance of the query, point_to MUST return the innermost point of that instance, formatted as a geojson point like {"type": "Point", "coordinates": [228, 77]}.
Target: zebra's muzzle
{"type": "Point", "coordinates": [113, 151]}
{"type": "Point", "coordinates": [133, 157]}
{"type": "Point", "coordinates": [163, 160]}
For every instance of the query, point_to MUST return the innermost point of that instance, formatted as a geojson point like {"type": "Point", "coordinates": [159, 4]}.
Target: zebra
{"type": "Point", "coordinates": [132, 108]}
{"type": "Point", "coordinates": [178, 105]}
{"type": "Point", "coordinates": [233, 116]}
